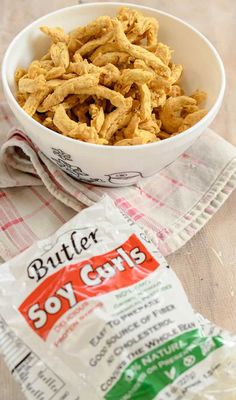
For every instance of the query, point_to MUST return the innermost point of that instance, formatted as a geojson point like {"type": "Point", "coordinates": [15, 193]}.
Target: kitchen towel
{"type": "Point", "coordinates": [173, 205]}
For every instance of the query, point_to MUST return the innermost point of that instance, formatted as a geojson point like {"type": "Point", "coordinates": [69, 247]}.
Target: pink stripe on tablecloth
{"type": "Point", "coordinates": [162, 233]}
{"type": "Point", "coordinates": [14, 239]}
{"type": "Point", "coordinates": [164, 248]}
{"type": "Point", "coordinates": [187, 217]}
{"type": "Point", "coordinates": [227, 189]}
{"type": "Point", "coordinates": [210, 210]}
{"type": "Point", "coordinates": [18, 136]}
{"type": "Point", "coordinates": [194, 161]}
{"type": "Point", "coordinates": [179, 183]}
{"type": "Point", "coordinates": [133, 212]}
{"type": "Point", "coordinates": [173, 181]}
{"type": "Point", "coordinates": [24, 232]}
{"type": "Point", "coordinates": [47, 203]}
{"type": "Point", "coordinates": [150, 197]}
{"type": "Point", "coordinates": [190, 230]}
{"type": "Point", "coordinates": [10, 223]}
{"type": "Point", "coordinates": [185, 155]}
{"type": "Point", "coordinates": [158, 202]}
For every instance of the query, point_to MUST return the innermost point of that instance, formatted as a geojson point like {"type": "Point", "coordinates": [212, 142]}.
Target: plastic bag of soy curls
{"type": "Point", "coordinates": [95, 312]}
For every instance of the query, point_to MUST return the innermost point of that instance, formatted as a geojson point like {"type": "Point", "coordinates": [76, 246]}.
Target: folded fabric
{"type": "Point", "coordinates": [172, 205]}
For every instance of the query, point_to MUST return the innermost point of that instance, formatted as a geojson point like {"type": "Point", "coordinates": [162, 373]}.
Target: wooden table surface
{"type": "Point", "coordinates": [207, 264]}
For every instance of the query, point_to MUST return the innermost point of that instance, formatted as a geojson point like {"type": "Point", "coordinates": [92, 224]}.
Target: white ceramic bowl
{"type": "Point", "coordinates": [108, 165]}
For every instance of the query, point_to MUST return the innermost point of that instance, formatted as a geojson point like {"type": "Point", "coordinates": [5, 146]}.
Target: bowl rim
{"type": "Point", "coordinates": [210, 114]}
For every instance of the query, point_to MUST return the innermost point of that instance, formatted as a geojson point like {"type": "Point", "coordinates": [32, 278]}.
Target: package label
{"type": "Point", "coordinates": [95, 313]}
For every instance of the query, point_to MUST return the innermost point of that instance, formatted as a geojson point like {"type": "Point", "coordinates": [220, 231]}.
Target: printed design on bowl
{"type": "Point", "coordinates": [117, 178]}
{"type": "Point", "coordinates": [73, 170]}
{"type": "Point", "coordinates": [61, 154]}
{"type": "Point", "coordinates": [124, 177]}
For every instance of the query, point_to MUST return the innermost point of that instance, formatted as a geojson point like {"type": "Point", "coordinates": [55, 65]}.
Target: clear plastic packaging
{"type": "Point", "coordinates": [94, 312]}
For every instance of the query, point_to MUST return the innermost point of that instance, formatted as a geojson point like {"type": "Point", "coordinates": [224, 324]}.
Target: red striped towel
{"type": "Point", "coordinates": [173, 205]}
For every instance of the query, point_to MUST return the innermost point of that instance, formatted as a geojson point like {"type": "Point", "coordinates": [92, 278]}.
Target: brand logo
{"type": "Point", "coordinates": [63, 290]}
{"type": "Point", "coordinates": [41, 266]}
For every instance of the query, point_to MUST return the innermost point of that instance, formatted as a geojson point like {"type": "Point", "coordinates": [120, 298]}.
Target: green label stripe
{"type": "Point", "coordinates": [145, 377]}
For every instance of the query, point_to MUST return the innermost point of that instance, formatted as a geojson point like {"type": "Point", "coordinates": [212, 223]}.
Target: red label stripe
{"type": "Point", "coordinates": [61, 291]}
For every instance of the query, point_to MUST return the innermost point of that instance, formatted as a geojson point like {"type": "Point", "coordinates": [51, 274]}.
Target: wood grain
{"type": "Point", "coordinates": [207, 264]}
